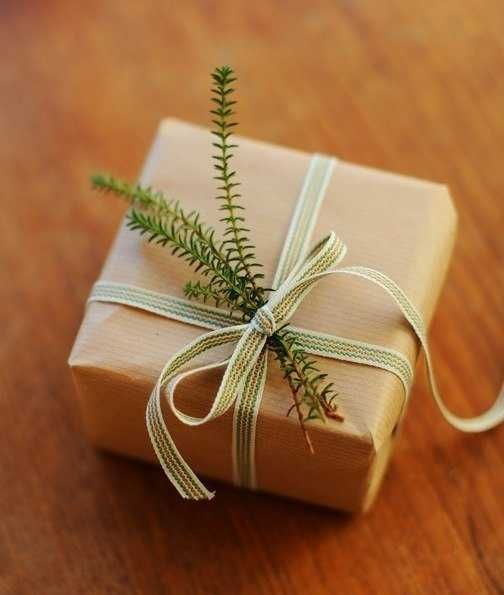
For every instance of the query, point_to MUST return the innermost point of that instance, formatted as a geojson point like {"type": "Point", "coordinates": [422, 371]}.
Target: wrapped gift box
{"type": "Point", "coordinates": [402, 226]}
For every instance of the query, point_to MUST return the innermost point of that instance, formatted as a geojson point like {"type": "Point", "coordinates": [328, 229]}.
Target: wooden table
{"type": "Point", "coordinates": [418, 90]}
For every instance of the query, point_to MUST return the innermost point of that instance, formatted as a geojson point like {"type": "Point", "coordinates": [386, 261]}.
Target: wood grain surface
{"type": "Point", "coordinates": [411, 87]}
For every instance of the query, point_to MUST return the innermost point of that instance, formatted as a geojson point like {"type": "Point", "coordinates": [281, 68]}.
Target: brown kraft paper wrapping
{"type": "Point", "coordinates": [402, 226]}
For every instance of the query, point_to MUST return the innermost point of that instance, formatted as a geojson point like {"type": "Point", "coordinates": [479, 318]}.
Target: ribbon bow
{"type": "Point", "coordinates": [245, 369]}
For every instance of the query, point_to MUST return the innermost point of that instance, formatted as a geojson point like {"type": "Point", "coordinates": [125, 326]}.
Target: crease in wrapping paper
{"type": "Point", "coordinates": [399, 225]}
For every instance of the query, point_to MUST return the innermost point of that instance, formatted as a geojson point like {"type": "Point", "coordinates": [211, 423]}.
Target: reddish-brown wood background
{"type": "Point", "coordinates": [412, 87]}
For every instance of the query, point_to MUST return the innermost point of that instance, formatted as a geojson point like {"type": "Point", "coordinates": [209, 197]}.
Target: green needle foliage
{"type": "Point", "coordinates": [239, 248]}
{"type": "Point", "coordinates": [229, 273]}
{"type": "Point", "coordinates": [165, 222]}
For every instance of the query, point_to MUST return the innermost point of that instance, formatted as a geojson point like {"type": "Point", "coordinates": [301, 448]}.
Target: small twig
{"type": "Point", "coordinates": [294, 389]}
{"type": "Point", "coordinates": [297, 406]}
{"type": "Point", "coordinates": [331, 412]}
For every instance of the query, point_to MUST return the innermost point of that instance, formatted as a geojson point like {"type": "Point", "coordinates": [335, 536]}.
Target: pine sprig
{"type": "Point", "coordinates": [135, 194]}
{"type": "Point", "coordinates": [313, 396]}
{"type": "Point", "coordinates": [185, 244]}
{"type": "Point", "coordinates": [166, 223]}
{"type": "Point", "coordinates": [240, 249]}
{"type": "Point", "coordinates": [204, 292]}
{"type": "Point", "coordinates": [227, 267]}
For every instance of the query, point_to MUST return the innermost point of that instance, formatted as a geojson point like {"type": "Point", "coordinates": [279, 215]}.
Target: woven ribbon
{"type": "Point", "coordinates": [245, 370]}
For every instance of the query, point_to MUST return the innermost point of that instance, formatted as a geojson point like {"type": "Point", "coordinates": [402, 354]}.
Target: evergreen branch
{"type": "Point", "coordinates": [201, 291]}
{"type": "Point", "coordinates": [136, 194]}
{"type": "Point", "coordinates": [185, 245]}
{"type": "Point", "coordinates": [240, 250]}
{"type": "Point", "coordinates": [156, 203]}
{"type": "Point", "coordinates": [165, 222]}
{"type": "Point", "coordinates": [205, 292]}
{"type": "Point", "coordinates": [313, 396]}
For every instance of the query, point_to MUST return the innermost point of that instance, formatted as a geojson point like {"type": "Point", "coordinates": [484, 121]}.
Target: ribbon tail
{"type": "Point", "coordinates": [174, 465]}
{"type": "Point", "coordinates": [244, 423]}
{"type": "Point", "coordinates": [489, 419]}
{"type": "Point", "coordinates": [177, 470]}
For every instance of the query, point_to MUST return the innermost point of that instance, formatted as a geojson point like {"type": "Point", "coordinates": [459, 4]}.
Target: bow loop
{"type": "Point", "coordinates": [245, 370]}
{"type": "Point", "coordinates": [287, 298]}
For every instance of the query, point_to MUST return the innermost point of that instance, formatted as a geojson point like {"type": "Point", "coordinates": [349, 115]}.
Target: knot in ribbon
{"type": "Point", "coordinates": [245, 370]}
{"type": "Point", "coordinates": [264, 321]}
